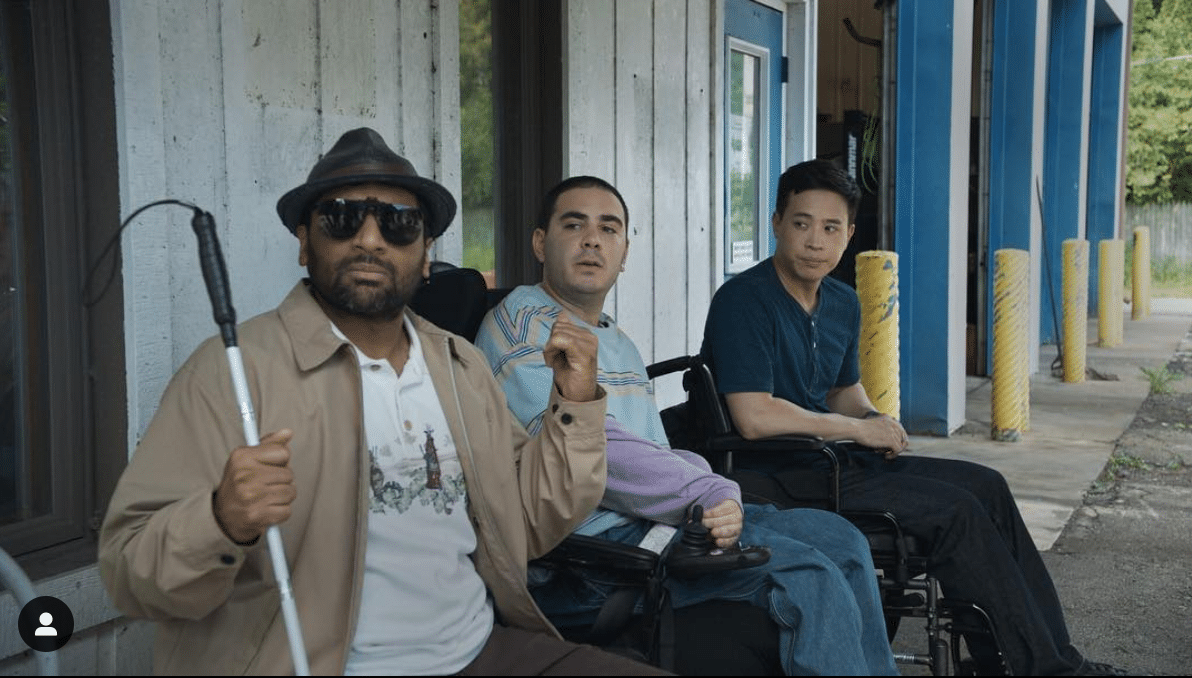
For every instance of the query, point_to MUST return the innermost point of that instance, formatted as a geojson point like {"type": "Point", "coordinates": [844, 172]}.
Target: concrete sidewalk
{"type": "Point", "coordinates": [1073, 427]}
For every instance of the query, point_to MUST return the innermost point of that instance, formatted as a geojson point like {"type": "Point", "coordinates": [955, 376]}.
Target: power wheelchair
{"type": "Point", "coordinates": [691, 641]}
{"type": "Point", "coordinates": [702, 425]}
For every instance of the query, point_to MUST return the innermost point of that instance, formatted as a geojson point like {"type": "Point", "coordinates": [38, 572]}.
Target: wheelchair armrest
{"type": "Point", "coordinates": [635, 563]}
{"type": "Point", "coordinates": [582, 551]}
{"type": "Point", "coordinates": [770, 449]}
{"type": "Point", "coordinates": [727, 446]}
{"type": "Point", "coordinates": [665, 367]}
{"type": "Point", "coordinates": [729, 442]}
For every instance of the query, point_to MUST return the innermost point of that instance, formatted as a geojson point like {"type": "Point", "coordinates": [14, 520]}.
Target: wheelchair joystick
{"type": "Point", "coordinates": [694, 553]}
{"type": "Point", "coordinates": [696, 538]}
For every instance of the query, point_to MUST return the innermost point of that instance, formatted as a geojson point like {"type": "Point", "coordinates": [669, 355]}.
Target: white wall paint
{"type": "Point", "coordinates": [639, 106]}
{"type": "Point", "coordinates": [633, 144]}
{"type": "Point", "coordinates": [704, 29]}
{"type": "Point", "coordinates": [1086, 98]}
{"type": "Point", "coordinates": [1039, 125]}
{"type": "Point", "coordinates": [227, 104]}
{"type": "Point", "coordinates": [136, 48]}
{"type": "Point", "coordinates": [1123, 83]}
{"type": "Point", "coordinates": [802, 22]}
{"type": "Point", "coordinates": [962, 106]}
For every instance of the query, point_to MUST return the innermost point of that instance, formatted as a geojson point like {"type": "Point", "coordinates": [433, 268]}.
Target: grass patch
{"type": "Point", "coordinates": [1161, 379]}
{"type": "Point", "coordinates": [1120, 462]}
{"type": "Point", "coordinates": [1170, 277]}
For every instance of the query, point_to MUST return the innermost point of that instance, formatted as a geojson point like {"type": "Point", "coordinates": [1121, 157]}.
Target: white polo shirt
{"type": "Point", "coordinates": [424, 609]}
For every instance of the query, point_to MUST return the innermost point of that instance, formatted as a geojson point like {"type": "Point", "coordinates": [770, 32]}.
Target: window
{"type": "Point", "coordinates": [511, 125]}
{"type": "Point", "coordinates": [477, 207]}
{"type": "Point", "coordinates": [744, 237]}
{"type": "Point", "coordinates": [62, 386]}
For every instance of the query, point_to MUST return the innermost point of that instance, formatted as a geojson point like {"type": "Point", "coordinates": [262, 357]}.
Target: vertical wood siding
{"type": "Point", "coordinates": [639, 106]}
{"type": "Point", "coordinates": [227, 104]}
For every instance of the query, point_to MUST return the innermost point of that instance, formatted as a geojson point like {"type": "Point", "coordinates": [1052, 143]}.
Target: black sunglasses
{"type": "Point", "coordinates": [400, 224]}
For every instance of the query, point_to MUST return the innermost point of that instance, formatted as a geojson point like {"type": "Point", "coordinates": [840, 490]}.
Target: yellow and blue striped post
{"type": "Point", "coordinates": [1140, 296]}
{"type": "Point", "coordinates": [1010, 400]}
{"type": "Point", "coordinates": [1110, 288]}
{"type": "Point", "coordinates": [1075, 305]}
{"type": "Point", "coordinates": [877, 288]}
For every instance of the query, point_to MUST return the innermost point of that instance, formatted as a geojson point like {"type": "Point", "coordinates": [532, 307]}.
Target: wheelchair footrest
{"type": "Point", "coordinates": [912, 658]}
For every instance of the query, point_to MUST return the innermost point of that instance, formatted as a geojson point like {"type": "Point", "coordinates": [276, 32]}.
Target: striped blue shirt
{"type": "Point", "coordinates": [512, 336]}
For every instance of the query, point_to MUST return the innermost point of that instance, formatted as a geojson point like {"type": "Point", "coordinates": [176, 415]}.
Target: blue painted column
{"type": "Point", "coordinates": [1065, 158]}
{"type": "Point", "coordinates": [1105, 159]}
{"type": "Point", "coordinates": [922, 204]}
{"type": "Point", "coordinates": [1011, 139]}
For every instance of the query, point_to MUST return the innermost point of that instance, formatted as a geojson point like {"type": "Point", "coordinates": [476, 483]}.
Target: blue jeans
{"type": "Point", "coordinates": [819, 586]}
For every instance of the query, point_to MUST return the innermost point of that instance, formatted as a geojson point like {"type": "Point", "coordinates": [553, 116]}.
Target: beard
{"type": "Point", "coordinates": [373, 301]}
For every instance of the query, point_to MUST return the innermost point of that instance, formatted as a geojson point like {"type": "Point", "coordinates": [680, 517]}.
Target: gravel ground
{"type": "Point", "coordinates": [1123, 564]}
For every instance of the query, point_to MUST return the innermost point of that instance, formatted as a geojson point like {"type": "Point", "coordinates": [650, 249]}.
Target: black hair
{"type": "Point", "coordinates": [551, 199]}
{"type": "Point", "coordinates": [820, 174]}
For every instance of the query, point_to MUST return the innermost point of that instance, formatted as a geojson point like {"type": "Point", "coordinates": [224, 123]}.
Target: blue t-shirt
{"type": "Point", "coordinates": [758, 339]}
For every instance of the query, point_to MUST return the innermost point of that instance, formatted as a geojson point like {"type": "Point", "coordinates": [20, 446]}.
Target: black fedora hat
{"type": "Point", "coordinates": [362, 156]}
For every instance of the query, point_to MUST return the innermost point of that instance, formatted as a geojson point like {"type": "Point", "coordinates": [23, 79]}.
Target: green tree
{"type": "Point", "coordinates": [1159, 155]}
{"type": "Point", "coordinates": [476, 102]}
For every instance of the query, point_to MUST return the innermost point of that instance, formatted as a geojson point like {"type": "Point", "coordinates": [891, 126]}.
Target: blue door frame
{"type": "Point", "coordinates": [761, 26]}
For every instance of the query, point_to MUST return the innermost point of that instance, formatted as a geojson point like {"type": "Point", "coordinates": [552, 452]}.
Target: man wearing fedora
{"type": "Point", "coordinates": [408, 498]}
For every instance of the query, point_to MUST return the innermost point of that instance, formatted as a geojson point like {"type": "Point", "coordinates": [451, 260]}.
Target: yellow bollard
{"type": "Point", "coordinates": [1140, 295]}
{"type": "Point", "coordinates": [1075, 304]}
{"type": "Point", "coordinates": [1010, 400]}
{"type": "Point", "coordinates": [877, 288]}
{"type": "Point", "coordinates": [1109, 293]}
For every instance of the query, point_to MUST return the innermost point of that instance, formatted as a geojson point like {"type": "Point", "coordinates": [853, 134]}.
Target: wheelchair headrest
{"type": "Point", "coordinates": [455, 299]}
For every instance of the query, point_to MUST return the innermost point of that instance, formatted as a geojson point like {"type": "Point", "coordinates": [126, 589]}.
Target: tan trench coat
{"type": "Point", "coordinates": [163, 557]}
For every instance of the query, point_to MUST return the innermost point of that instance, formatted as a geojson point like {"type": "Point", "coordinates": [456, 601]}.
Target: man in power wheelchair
{"type": "Point", "coordinates": [818, 585]}
{"type": "Point", "coordinates": [781, 341]}
{"type": "Point", "coordinates": [637, 618]}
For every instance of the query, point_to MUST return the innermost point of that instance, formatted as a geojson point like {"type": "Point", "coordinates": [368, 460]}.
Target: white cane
{"type": "Point", "coordinates": [216, 276]}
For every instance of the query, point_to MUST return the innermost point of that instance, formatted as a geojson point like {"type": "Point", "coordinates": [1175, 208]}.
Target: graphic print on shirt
{"type": "Point", "coordinates": [398, 479]}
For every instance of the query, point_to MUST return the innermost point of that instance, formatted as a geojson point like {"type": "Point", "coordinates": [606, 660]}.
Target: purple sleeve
{"type": "Point", "coordinates": [646, 480]}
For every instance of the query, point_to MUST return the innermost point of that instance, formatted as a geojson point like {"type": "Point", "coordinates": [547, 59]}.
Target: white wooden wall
{"type": "Point", "coordinates": [640, 106]}
{"type": "Point", "coordinates": [227, 104]}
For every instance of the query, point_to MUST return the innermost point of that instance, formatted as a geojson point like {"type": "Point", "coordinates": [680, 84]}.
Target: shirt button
{"type": "Point", "coordinates": [227, 560]}
{"type": "Point", "coordinates": [374, 367]}
{"type": "Point", "coordinates": [566, 418]}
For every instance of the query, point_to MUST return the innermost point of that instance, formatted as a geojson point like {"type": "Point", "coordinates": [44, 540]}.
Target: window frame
{"type": "Point", "coordinates": [62, 112]}
{"type": "Point", "coordinates": [527, 129]}
{"type": "Point", "coordinates": [765, 145]}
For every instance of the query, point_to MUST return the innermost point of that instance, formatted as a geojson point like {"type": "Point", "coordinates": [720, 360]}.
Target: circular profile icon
{"type": "Point", "coordinates": [45, 623]}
